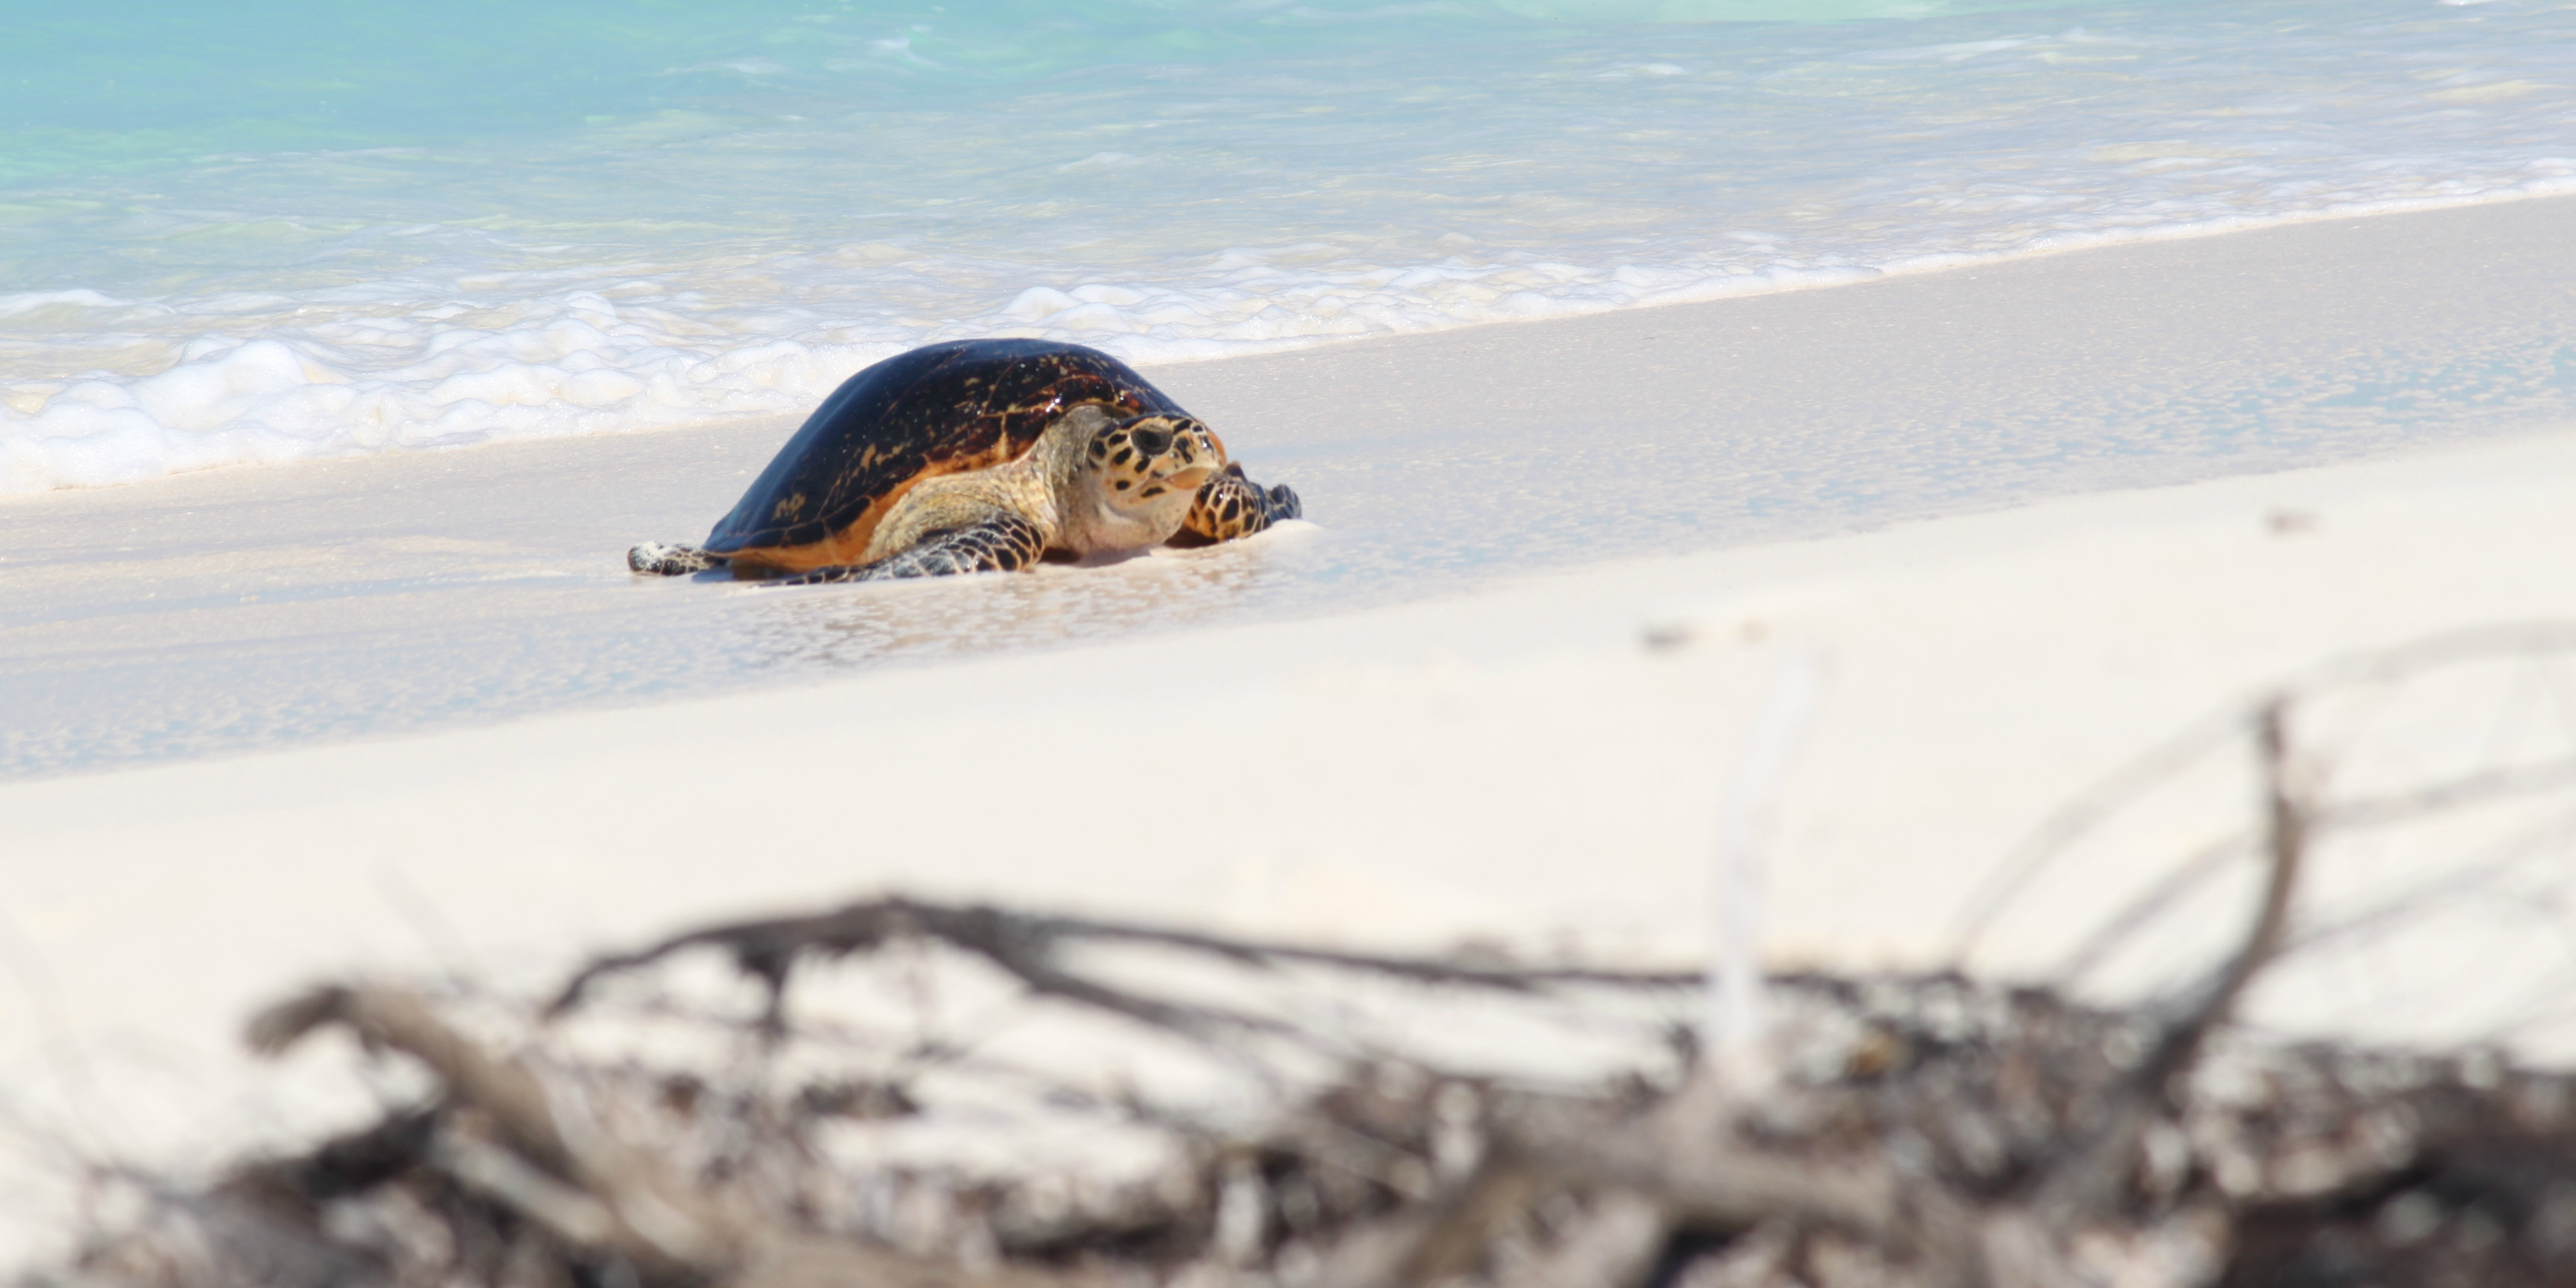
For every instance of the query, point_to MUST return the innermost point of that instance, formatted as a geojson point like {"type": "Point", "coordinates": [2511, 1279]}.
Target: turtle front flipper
{"type": "Point", "coordinates": [664, 560]}
{"type": "Point", "coordinates": [1230, 506]}
{"type": "Point", "coordinates": [1002, 543]}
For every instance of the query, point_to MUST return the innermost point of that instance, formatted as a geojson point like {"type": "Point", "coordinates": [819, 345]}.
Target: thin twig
{"type": "Point", "coordinates": [1026, 946]}
{"type": "Point", "coordinates": [2094, 1172]}
{"type": "Point", "coordinates": [589, 1187]}
{"type": "Point", "coordinates": [2096, 805]}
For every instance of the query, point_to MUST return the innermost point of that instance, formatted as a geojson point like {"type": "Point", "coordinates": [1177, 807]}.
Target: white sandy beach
{"type": "Point", "coordinates": [1970, 544]}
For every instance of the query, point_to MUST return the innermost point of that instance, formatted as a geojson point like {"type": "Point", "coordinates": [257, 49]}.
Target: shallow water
{"type": "Point", "coordinates": [297, 231]}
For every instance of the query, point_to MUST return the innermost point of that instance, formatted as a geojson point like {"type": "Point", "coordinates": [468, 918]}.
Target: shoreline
{"type": "Point", "coordinates": [233, 610]}
{"type": "Point", "coordinates": [2542, 190]}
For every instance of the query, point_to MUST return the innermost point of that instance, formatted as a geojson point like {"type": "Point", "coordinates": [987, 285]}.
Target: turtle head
{"type": "Point", "coordinates": [1150, 465]}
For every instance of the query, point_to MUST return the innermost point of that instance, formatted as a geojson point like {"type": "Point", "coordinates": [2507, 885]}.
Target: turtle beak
{"type": "Point", "coordinates": [1189, 477]}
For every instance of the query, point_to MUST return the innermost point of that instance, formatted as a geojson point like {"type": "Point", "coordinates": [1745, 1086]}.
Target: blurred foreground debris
{"type": "Point", "coordinates": [1922, 1130]}
{"type": "Point", "coordinates": [917, 1094]}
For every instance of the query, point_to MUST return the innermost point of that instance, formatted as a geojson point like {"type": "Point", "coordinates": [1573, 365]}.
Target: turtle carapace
{"type": "Point", "coordinates": [980, 455]}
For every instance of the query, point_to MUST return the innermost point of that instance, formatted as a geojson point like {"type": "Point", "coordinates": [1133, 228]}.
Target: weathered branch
{"type": "Point", "coordinates": [1713, 1181]}
{"type": "Point", "coordinates": [2095, 1171]}
{"type": "Point", "coordinates": [382, 1018]}
{"type": "Point", "coordinates": [1027, 947]}
{"type": "Point", "coordinates": [586, 1186]}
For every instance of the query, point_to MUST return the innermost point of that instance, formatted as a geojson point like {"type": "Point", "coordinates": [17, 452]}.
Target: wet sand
{"type": "Point", "coordinates": [261, 607]}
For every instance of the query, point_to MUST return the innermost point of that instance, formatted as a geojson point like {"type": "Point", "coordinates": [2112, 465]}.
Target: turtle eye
{"type": "Point", "coordinates": [1151, 442]}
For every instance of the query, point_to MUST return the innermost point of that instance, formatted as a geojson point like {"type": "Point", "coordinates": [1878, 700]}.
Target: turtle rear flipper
{"type": "Point", "coordinates": [1230, 505]}
{"type": "Point", "coordinates": [1002, 543]}
{"type": "Point", "coordinates": [665, 560]}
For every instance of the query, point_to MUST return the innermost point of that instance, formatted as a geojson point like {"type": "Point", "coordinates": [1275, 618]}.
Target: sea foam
{"type": "Point", "coordinates": [793, 195]}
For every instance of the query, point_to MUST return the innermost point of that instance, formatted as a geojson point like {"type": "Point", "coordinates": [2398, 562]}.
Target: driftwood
{"type": "Point", "coordinates": [1960, 1135]}
{"type": "Point", "coordinates": [1928, 1130]}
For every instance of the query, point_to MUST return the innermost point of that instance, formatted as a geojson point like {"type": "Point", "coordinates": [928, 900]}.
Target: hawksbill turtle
{"type": "Point", "coordinates": [980, 455]}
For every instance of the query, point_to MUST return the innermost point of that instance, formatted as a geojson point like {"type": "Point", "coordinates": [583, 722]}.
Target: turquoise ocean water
{"type": "Point", "coordinates": [281, 231]}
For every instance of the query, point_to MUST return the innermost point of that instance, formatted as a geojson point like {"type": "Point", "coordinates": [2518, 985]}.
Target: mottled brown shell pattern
{"type": "Point", "coordinates": [943, 409]}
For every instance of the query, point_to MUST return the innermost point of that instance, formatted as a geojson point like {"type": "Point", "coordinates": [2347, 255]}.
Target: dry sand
{"type": "Point", "coordinates": [1505, 760]}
